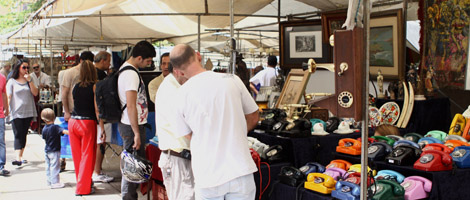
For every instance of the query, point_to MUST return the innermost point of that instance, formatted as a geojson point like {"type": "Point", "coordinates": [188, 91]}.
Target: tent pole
{"type": "Point", "coordinates": [365, 100]}
{"type": "Point", "coordinates": [232, 42]}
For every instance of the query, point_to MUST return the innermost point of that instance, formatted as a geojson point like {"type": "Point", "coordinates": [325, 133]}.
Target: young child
{"type": "Point", "coordinates": [51, 134]}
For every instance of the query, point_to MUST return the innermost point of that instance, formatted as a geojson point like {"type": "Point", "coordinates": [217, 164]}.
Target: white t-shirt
{"type": "Point", "coordinates": [213, 107]}
{"type": "Point", "coordinates": [165, 111]}
{"type": "Point", "coordinates": [266, 77]}
{"type": "Point", "coordinates": [42, 79]}
{"type": "Point", "coordinates": [129, 80]}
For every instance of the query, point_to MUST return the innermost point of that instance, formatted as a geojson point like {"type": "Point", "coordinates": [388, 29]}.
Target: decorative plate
{"type": "Point", "coordinates": [374, 116]}
{"type": "Point", "coordinates": [390, 112]}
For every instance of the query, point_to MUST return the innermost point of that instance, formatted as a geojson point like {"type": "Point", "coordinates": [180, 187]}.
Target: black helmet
{"type": "Point", "coordinates": [134, 168]}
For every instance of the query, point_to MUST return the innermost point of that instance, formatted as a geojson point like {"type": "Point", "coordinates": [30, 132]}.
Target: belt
{"type": "Point", "coordinates": [185, 154]}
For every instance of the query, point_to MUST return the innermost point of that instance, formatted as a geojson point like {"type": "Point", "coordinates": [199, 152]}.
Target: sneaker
{"type": "Point", "coordinates": [24, 161]}
{"type": "Point", "coordinates": [102, 178]}
{"type": "Point", "coordinates": [92, 191]}
{"type": "Point", "coordinates": [57, 185]}
{"type": "Point", "coordinates": [4, 172]}
{"type": "Point", "coordinates": [15, 162]}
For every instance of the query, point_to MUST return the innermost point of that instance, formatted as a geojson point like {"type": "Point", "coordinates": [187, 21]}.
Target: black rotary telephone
{"type": "Point", "coordinates": [403, 155]}
{"type": "Point", "coordinates": [332, 124]}
{"type": "Point", "coordinates": [298, 128]}
{"type": "Point", "coordinates": [291, 176]}
{"type": "Point", "coordinates": [378, 150]}
{"type": "Point", "coordinates": [271, 118]}
{"type": "Point", "coordinates": [272, 154]}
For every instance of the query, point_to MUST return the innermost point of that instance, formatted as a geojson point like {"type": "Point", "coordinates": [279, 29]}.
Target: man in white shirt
{"type": "Point", "coordinates": [175, 160]}
{"type": "Point", "coordinates": [215, 112]}
{"type": "Point", "coordinates": [39, 78]}
{"type": "Point", "coordinates": [131, 90]}
{"type": "Point", "coordinates": [267, 76]}
{"type": "Point", "coordinates": [155, 83]}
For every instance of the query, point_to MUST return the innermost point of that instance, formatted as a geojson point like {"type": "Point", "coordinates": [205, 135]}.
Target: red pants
{"type": "Point", "coordinates": [82, 135]}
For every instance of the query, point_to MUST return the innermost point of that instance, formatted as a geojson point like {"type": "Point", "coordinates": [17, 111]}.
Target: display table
{"type": "Point", "coordinates": [275, 169]}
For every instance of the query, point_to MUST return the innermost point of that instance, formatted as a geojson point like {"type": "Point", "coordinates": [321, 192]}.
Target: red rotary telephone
{"type": "Point", "coordinates": [434, 160]}
{"type": "Point", "coordinates": [438, 147]}
{"type": "Point", "coordinates": [349, 146]}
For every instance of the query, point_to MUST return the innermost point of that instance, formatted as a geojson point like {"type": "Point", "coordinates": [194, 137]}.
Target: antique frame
{"type": "Point", "coordinates": [332, 21]}
{"type": "Point", "coordinates": [386, 45]}
{"type": "Point", "coordinates": [294, 87]}
{"type": "Point", "coordinates": [301, 40]}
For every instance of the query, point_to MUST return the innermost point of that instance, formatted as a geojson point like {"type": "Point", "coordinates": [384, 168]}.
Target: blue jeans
{"type": "Point", "coordinates": [53, 167]}
{"type": "Point", "coordinates": [240, 188]}
{"type": "Point", "coordinates": [2, 143]}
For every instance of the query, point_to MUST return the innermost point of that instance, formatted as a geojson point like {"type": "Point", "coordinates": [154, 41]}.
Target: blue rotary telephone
{"type": "Point", "coordinates": [346, 191]}
{"type": "Point", "coordinates": [390, 175]}
{"type": "Point", "coordinates": [312, 167]}
{"type": "Point", "coordinates": [428, 140]}
{"type": "Point", "coordinates": [378, 150]}
{"type": "Point", "coordinates": [461, 156]}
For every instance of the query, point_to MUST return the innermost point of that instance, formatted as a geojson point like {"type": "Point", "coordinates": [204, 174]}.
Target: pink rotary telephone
{"type": "Point", "coordinates": [416, 187]}
{"type": "Point", "coordinates": [336, 173]}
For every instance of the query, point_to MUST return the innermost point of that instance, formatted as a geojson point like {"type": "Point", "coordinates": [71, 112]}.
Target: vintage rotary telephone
{"type": "Point", "coordinates": [416, 187]}
{"type": "Point", "coordinates": [378, 150]}
{"type": "Point", "coordinates": [291, 176]}
{"type": "Point", "coordinates": [461, 156]}
{"type": "Point", "coordinates": [390, 175]}
{"type": "Point", "coordinates": [270, 117]}
{"type": "Point", "coordinates": [458, 124]}
{"type": "Point", "coordinates": [272, 154]}
{"type": "Point", "coordinates": [346, 191]}
{"type": "Point", "coordinates": [387, 190]}
{"type": "Point", "coordinates": [314, 121]}
{"type": "Point", "coordinates": [355, 177]}
{"type": "Point", "coordinates": [357, 168]}
{"type": "Point", "coordinates": [455, 137]}
{"type": "Point", "coordinates": [257, 145]}
{"type": "Point", "coordinates": [438, 147]}
{"type": "Point", "coordinates": [395, 137]}
{"type": "Point", "coordinates": [455, 143]}
{"type": "Point", "coordinates": [339, 164]}
{"type": "Point", "coordinates": [466, 130]}
{"type": "Point", "coordinates": [440, 135]}
{"type": "Point", "coordinates": [434, 160]}
{"type": "Point", "coordinates": [312, 167]}
{"type": "Point", "coordinates": [414, 137]}
{"type": "Point", "coordinates": [369, 140]}
{"type": "Point", "coordinates": [336, 173]}
{"type": "Point", "coordinates": [332, 124]}
{"type": "Point", "coordinates": [403, 154]}
{"type": "Point", "coordinates": [405, 142]}
{"type": "Point", "coordinates": [298, 128]}
{"type": "Point", "coordinates": [319, 182]}
{"type": "Point", "coordinates": [349, 146]}
{"type": "Point", "coordinates": [387, 140]}
{"type": "Point", "coordinates": [428, 140]}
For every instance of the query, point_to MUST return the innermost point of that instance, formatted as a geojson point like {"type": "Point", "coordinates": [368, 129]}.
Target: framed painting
{"type": "Point", "coordinates": [293, 88]}
{"type": "Point", "coordinates": [332, 21]}
{"type": "Point", "coordinates": [301, 40]}
{"type": "Point", "coordinates": [386, 45]}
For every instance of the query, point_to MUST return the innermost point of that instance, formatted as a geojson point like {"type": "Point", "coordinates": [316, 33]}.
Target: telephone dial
{"type": "Point", "coordinates": [455, 137]}
{"type": "Point", "coordinates": [349, 146]}
{"type": "Point", "coordinates": [346, 191]}
{"type": "Point", "coordinates": [416, 187]}
{"type": "Point", "coordinates": [336, 173]}
{"type": "Point", "coordinates": [390, 175]}
{"type": "Point", "coordinates": [339, 164]}
{"type": "Point", "coordinates": [291, 176]}
{"type": "Point", "coordinates": [414, 137]}
{"type": "Point", "coordinates": [369, 140]}
{"type": "Point", "coordinates": [434, 160]}
{"type": "Point", "coordinates": [312, 167]}
{"type": "Point", "coordinates": [403, 154]}
{"type": "Point", "coordinates": [405, 142]}
{"type": "Point", "coordinates": [440, 135]}
{"type": "Point", "coordinates": [438, 147]}
{"type": "Point", "coordinates": [378, 150]}
{"type": "Point", "coordinates": [461, 156]}
{"type": "Point", "coordinates": [387, 140]}
{"type": "Point", "coordinates": [332, 124]}
{"type": "Point", "coordinates": [321, 183]}
{"type": "Point", "coordinates": [428, 140]}
{"type": "Point", "coordinates": [455, 143]}
{"type": "Point", "coordinates": [272, 154]}
{"type": "Point", "coordinates": [387, 190]}
{"type": "Point", "coordinates": [357, 168]}
{"type": "Point", "coordinates": [458, 124]}
{"type": "Point", "coordinates": [271, 117]}
{"type": "Point", "coordinates": [395, 137]}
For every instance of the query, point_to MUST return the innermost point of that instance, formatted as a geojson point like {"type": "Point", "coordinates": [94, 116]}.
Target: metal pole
{"type": "Point", "coordinates": [232, 42]}
{"type": "Point", "coordinates": [365, 101]}
{"type": "Point", "coordinates": [199, 33]}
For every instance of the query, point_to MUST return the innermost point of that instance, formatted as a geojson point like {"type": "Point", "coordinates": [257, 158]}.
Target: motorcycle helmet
{"type": "Point", "coordinates": [134, 168]}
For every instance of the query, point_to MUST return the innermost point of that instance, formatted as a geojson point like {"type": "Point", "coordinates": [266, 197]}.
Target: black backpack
{"type": "Point", "coordinates": [107, 97]}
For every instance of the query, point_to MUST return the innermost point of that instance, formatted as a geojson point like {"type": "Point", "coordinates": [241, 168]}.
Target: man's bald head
{"type": "Point", "coordinates": [181, 56]}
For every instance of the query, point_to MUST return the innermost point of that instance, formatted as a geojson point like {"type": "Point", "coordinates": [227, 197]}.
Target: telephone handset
{"type": "Point", "coordinates": [466, 130]}
{"type": "Point", "coordinates": [438, 147]}
{"type": "Point", "coordinates": [458, 124]}
{"type": "Point", "coordinates": [291, 176]}
{"type": "Point", "coordinates": [298, 128]}
{"type": "Point", "coordinates": [440, 135]}
{"type": "Point", "coordinates": [319, 182]}
{"type": "Point", "coordinates": [455, 143]}
{"type": "Point", "coordinates": [395, 137]}
{"type": "Point", "coordinates": [349, 146]}
{"type": "Point", "coordinates": [386, 189]}
{"type": "Point", "coordinates": [378, 150]}
{"type": "Point", "coordinates": [455, 137]}
{"type": "Point", "coordinates": [387, 140]}
{"type": "Point", "coordinates": [390, 175]}
{"type": "Point", "coordinates": [271, 117]}
{"type": "Point", "coordinates": [434, 160]}
{"type": "Point", "coordinates": [272, 154]}
{"type": "Point", "coordinates": [405, 142]}
{"type": "Point", "coordinates": [461, 156]}
{"type": "Point", "coordinates": [339, 164]}
{"type": "Point", "coordinates": [428, 140]}
{"type": "Point", "coordinates": [369, 140]}
{"type": "Point", "coordinates": [403, 155]}
{"type": "Point", "coordinates": [312, 167]}
{"type": "Point", "coordinates": [416, 187]}
{"type": "Point", "coordinates": [346, 190]}
{"type": "Point", "coordinates": [357, 168]}
{"type": "Point", "coordinates": [334, 172]}
{"type": "Point", "coordinates": [414, 137]}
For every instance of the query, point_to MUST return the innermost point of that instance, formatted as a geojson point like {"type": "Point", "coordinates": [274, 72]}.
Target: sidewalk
{"type": "Point", "coordinates": [29, 180]}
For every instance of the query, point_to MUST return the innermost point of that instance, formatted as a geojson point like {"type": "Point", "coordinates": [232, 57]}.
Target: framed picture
{"type": "Point", "coordinates": [332, 21]}
{"type": "Point", "coordinates": [301, 40]}
{"type": "Point", "coordinates": [386, 45]}
{"type": "Point", "coordinates": [293, 88]}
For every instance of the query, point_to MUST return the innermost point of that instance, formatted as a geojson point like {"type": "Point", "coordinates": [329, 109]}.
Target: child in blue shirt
{"type": "Point", "coordinates": [51, 134]}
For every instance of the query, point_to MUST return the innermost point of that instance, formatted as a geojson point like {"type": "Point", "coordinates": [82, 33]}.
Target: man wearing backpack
{"type": "Point", "coordinates": [131, 90]}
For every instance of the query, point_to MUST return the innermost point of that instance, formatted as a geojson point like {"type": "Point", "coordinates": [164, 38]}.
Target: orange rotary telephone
{"type": "Point", "coordinates": [458, 125]}
{"type": "Point", "coordinates": [438, 147]}
{"type": "Point", "coordinates": [455, 143]}
{"type": "Point", "coordinates": [320, 183]}
{"type": "Point", "coordinates": [466, 130]}
{"type": "Point", "coordinates": [349, 146]}
{"type": "Point", "coordinates": [339, 164]}
{"type": "Point", "coordinates": [434, 160]}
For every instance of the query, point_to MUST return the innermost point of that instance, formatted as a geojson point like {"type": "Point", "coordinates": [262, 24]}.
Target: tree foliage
{"type": "Point", "coordinates": [18, 13]}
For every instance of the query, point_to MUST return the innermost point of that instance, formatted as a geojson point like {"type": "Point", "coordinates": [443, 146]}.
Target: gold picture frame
{"type": "Point", "coordinates": [293, 88]}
